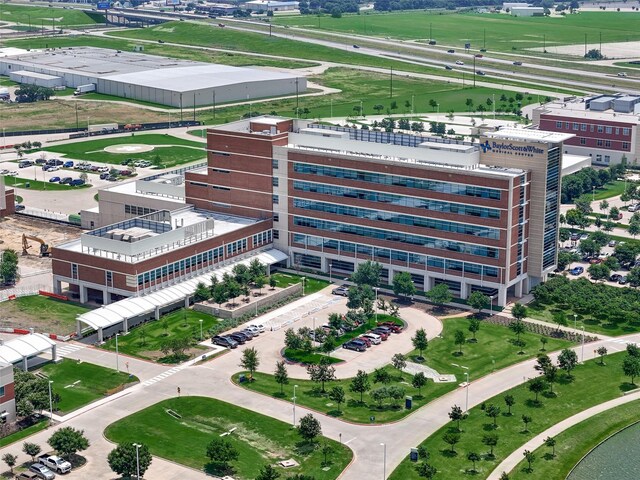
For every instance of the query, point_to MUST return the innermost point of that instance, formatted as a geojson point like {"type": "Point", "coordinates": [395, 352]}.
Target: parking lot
{"type": "Point", "coordinates": [608, 250]}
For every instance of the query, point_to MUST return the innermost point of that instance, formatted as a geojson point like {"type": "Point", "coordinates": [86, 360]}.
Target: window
{"type": "Point", "coordinates": [592, 128]}
{"type": "Point", "coordinates": [583, 141]}
{"type": "Point", "coordinates": [2, 391]}
{"type": "Point", "coordinates": [607, 143]}
{"type": "Point", "coordinates": [74, 270]}
{"type": "Point", "coordinates": [576, 126]}
{"type": "Point", "coordinates": [224, 154]}
{"type": "Point", "coordinates": [219, 170]}
{"type": "Point", "coordinates": [559, 125]}
{"type": "Point", "coordinates": [617, 131]}
{"type": "Point", "coordinates": [218, 187]}
{"type": "Point", "coordinates": [567, 125]}
{"type": "Point", "coordinates": [600, 129]}
{"type": "Point", "coordinates": [583, 127]}
{"type": "Point", "coordinates": [607, 159]}
{"type": "Point", "coordinates": [276, 199]}
{"type": "Point", "coordinates": [276, 234]}
{"type": "Point", "coordinates": [109, 278]}
{"type": "Point", "coordinates": [599, 142]}
{"type": "Point", "coordinates": [198, 184]}
{"type": "Point", "coordinates": [276, 217]}
{"type": "Point", "coordinates": [274, 163]}
{"type": "Point", "coordinates": [608, 130]}
{"type": "Point", "coordinates": [598, 158]}
{"type": "Point", "coordinates": [625, 145]}
{"type": "Point", "coordinates": [275, 181]}
{"type": "Point", "coordinates": [625, 132]}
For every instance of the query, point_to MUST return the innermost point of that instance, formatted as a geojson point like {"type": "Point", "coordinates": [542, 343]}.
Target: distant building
{"type": "Point", "coordinates": [605, 127]}
{"type": "Point", "coordinates": [511, 5]}
{"type": "Point", "coordinates": [7, 393]}
{"type": "Point", "coordinates": [274, 6]}
{"type": "Point", "coordinates": [527, 11]}
{"type": "Point", "coordinates": [7, 200]}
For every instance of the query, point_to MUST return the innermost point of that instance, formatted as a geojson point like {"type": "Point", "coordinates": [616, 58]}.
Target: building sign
{"type": "Point", "coordinates": [104, 5]}
{"type": "Point", "coordinates": [510, 148]}
{"type": "Point", "coordinates": [172, 3]}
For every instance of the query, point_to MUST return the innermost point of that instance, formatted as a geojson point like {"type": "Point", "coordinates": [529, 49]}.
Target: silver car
{"type": "Point", "coordinates": [42, 471]}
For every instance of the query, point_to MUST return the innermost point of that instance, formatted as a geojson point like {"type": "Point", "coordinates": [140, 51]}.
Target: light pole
{"type": "Point", "coordinates": [294, 405]}
{"type": "Point", "coordinates": [117, 359]}
{"type": "Point", "coordinates": [200, 329]}
{"type": "Point", "coordinates": [137, 445]}
{"type": "Point", "coordinates": [330, 278]}
{"type": "Point", "coordinates": [314, 329]}
{"type": "Point", "coordinates": [575, 320]}
{"type": "Point", "coordinates": [376, 305]}
{"type": "Point", "coordinates": [593, 193]}
{"type": "Point", "coordinates": [303, 279]}
{"type": "Point", "coordinates": [491, 306]}
{"type": "Point", "coordinates": [582, 347]}
{"type": "Point", "coordinates": [50, 404]}
{"type": "Point", "coordinates": [466, 369]}
{"type": "Point", "coordinates": [384, 461]}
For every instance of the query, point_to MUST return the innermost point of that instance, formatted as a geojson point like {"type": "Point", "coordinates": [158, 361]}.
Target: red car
{"type": "Point", "coordinates": [366, 341]}
{"type": "Point", "coordinates": [384, 334]}
{"type": "Point", "coordinates": [595, 260]}
{"type": "Point", "coordinates": [391, 326]}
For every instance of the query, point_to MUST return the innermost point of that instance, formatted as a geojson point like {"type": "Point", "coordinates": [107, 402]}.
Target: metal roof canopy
{"type": "Point", "coordinates": [24, 347]}
{"type": "Point", "coordinates": [114, 313]}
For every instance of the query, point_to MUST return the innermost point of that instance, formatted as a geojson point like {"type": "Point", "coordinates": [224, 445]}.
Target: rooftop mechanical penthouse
{"type": "Point", "coordinates": [481, 216]}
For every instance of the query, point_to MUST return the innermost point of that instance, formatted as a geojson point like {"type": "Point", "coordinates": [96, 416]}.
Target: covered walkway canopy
{"type": "Point", "coordinates": [167, 295]}
{"type": "Point", "coordinates": [23, 348]}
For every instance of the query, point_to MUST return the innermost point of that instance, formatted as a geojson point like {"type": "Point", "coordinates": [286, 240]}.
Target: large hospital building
{"type": "Point", "coordinates": [476, 216]}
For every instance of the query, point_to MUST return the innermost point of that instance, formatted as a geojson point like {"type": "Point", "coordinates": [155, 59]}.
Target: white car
{"type": "Point", "coordinates": [104, 169]}
{"type": "Point", "coordinates": [260, 327]}
{"type": "Point", "coordinates": [254, 330]}
{"type": "Point", "coordinates": [374, 338]}
{"type": "Point", "coordinates": [459, 62]}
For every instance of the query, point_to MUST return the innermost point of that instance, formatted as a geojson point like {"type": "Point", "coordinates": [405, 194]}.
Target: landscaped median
{"type": "Point", "coordinates": [492, 349]}
{"type": "Point", "coordinates": [449, 450]}
{"type": "Point", "coordinates": [181, 429]}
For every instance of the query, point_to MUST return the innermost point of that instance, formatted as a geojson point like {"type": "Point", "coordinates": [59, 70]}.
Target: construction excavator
{"type": "Point", "coordinates": [45, 249]}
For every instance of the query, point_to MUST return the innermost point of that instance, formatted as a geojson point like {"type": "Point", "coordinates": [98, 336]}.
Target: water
{"type": "Point", "coordinates": [617, 458]}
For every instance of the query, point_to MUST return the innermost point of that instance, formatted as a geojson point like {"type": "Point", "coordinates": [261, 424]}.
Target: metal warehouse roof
{"type": "Point", "coordinates": [183, 79]}
{"type": "Point", "coordinates": [17, 349]}
{"type": "Point", "coordinates": [42, 76]}
{"type": "Point", "coordinates": [118, 312]}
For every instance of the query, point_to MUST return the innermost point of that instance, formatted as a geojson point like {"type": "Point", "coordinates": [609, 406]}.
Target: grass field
{"type": "Point", "coordinates": [311, 285]}
{"type": "Point", "coordinates": [36, 16]}
{"type": "Point", "coordinates": [577, 441]}
{"type": "Point", "coordinates": [171, 150]}
{"type": "Point", "coordinates": [146, 340]}
{"type": "Point", "coordinates": [570, 399]}
{"type": "Point", "coordinates": [258, 439]}
{"type": "Point", "coordinates": [24, 433]}
{"type": "Point", "coordinates": [611, 189]}
{"type": "Point", "coordinates": [79, 383]}
{"type": "Point", "coordinates": [491, 31]}
{"type": "Point", "coordinates": [58, 316]}
{"type": "Point", "coordinates": [19, 182]}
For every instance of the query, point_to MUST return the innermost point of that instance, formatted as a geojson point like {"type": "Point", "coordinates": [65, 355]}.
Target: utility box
{"type": "Point", "coordinates": [408, 403]}
{"type": "Point", "coordinates": [413, 455]}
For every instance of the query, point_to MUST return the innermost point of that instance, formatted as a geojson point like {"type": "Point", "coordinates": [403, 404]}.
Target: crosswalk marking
{"type": "Point", "coordinates": [62, 350]}
{"type": "Point", "coordinates": [161, 376]}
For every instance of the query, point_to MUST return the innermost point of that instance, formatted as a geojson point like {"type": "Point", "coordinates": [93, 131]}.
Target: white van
{"type": "Point", "coordinates": [633, 208]}
{"type": "Point", "coordinates": [374, 338]}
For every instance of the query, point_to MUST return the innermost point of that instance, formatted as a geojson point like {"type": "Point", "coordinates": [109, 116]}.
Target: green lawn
{"type": "Point", "coordinates": [80, 383]}
{"type": "Point", "coordinates": [258, 439]}
{"type": "Point", "coordinates": [492, 31]}
{"type": "Point", "coordinates": [60, 316]}
{"type": "Point", "coordinates": [575, 442]}
{"type": "Point", "coordinates": [611, 189]}
{"type": "Point", "coordinates": [145, 341]}
{"type": "Point", "coordinates": [571, 399]}
{"type": "Point", "coordinates": [493, 346]}
{"type": "Point", "coordinates": [5, 82]}
{"type": "Point", "coordinates": [26, 432]}
{"type": "Point", "coordinates": [36, 16]}
{"type": "Point", "coordinates": [171, 150]}
{"type": "Point", "coordinates": [19, 182]}
{"type": "Point", "coordinates": [311, 285]}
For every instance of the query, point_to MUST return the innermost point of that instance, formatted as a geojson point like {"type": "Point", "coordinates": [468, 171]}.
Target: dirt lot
{"type": "Point", "coordinates": [11, 230]}
{"type": "Point", "coordinates": [62, 114]}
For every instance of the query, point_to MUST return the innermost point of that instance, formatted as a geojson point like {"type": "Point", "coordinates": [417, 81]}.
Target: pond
{"type": "Point", "coordinates": [617, 458]}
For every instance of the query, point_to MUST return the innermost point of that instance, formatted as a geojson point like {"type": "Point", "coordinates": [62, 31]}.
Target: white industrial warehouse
{"type": "Point", "coordinates": [162, 80]}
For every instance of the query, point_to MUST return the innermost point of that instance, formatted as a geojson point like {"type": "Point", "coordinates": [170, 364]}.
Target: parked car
{"type": "Point", "coordinates": [366, 341]}
{"type": "Point", "coordinates": [54, 179]}
{"type": "Point", "coordinates": [432, 42]}
{"type": "Point", "coordinates": [584, 236]}
{"type": "Point", "coordinates": [55, 463]}
{"type": "Point", "coordinates": [481, 73]}
{"type": "Point", "coordinates": [77, 182]}
{"type": "Point", "coordinates": [622, 280]}
{"type": "Point", "coordinates": [343, 290]}
{"type": "Point", "coordinates": [392, 326]}
{"type": "Point", "coordinates": [595, 260]}
{"type": "Point", "coordinates": [384, 334]}
{"type": "Point", "coordinates": [451, 51]}
{"type": "Point", "coordinates": [19, 207]}
{"type": "Point", "coordinates": [356, 46]}
{"type": "Point", "coordinates": [575, 237]}
{"type": "Point", "coordinates": [356, 346]}
{"type": "Point", "coordinates": [479, 55]}
{"type": "Point", "coordinates": [238, 337]}
{"type": "Point", "coordinates": [576, 271]}
{"type": "Point", "coordinates": [27, 476]}
{"type": "Point", "coordinates": [68, 164]}
{"type": "Point", "coordinates": [614, 277]}
{"type": "Point", "coordinates": [612, 243]}
{"type": "Point", "coordinates": [517, 64]}
{"type": "Point", "coordinates": [459, 62]}
{"type": "Point", "coordinates": [373, 337]}
{"type": "Point", "coordinates": [622, 74]}
{"type": "Point", "coordinates": [104, 176]}
{"type": "Point", "coordinates": [25, 163]}
{"type": "Point", "coordinates": [253, 329]}
{"type": "Point", "coordinates": [66, 181]}
{"type": "Point", "coordinates": [259, 326]}
{"type": "Point", "coordinates": [248, 333]}
{"type": "Point", "coordinates": [43, 472]}
{"type": "Point", "coordinates": [224, 341]}
{"type": "Point", "coordinates": [634, 207]}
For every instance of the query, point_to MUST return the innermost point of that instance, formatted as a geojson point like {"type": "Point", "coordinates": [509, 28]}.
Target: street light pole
{"type": "Point", "coordinates": [200, 329]}
{"type": "Point", "coordinates": [294, 405]}
{"type": "Point", "coordinates": [582, 347]}
{"type": "Point", "coordinates": [376, 305]}
{"type": "Point", "coordinates": [303, 279]}
{"type": "Point", "coordinates": [137, 445]}
{"type": "Point", "coordinates": [330, 278]}
{"type": "Point", "coordinates": [384, 461]}
{"type": "Point", "coordinates": [466, 403]}
{"type": "Point", "coordinates": [50, 404]}
{"type": "Point", "coordinates": [575, 320]}
{"type": "Point", "coordinates": [117, 359]}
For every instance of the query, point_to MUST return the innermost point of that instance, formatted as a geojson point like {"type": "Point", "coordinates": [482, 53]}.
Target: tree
{"type": "Point", "coordinates": [567, 360]}
{"type": "Point", "coordinates": [381, 375]}
{"type": "Point", "coordinates": [451, 439]}
{"type": "Point", "coordinates": [425, 470]}
{"type": "Point", "coordinates": [420, 341]}
{"type": "Point", "coordinates": [537, 385]}
{"type": "Point", "coordinates": [309, 428]}
{"type": "Point", "coordinates": [68, 441]}
{"type": "Point", "coordinates": [631, 367]}
{"type": "Point", "coordinates": [602, 351]}
{"type": "Point", "coordinates": [123, 460]}
{"type": "Point", "coordinates": [418, 381]}
{"type": "Point", "coordinates": [250, 360]}
{"type": "Point", "coordinates": [474, 327]}
{"type": "Point", "coordinates": [221, 451]}
{"type": "Point", "coordinates": [633, 350]}
{"type": "Point", "coordinates": [403, 285]}
{"type": "Point", "coordinates": [267, 472]}
{"type": "Point", "coordinates": [599, 271]}
{"type": "Point", "coordinates": [360, 383]}
{"type": "Point", "coordinates": [593, 54]}
{"type": "Point", "coordinates": [492, 411]}
{"type": "Point", "coordinates": [529, 457]}
{"type": "Point", "coordinates": [478, 300]}
{"type": "Point", "coordinates": [337, 395]}
{"type": "Point", "coordinates": [367, 273]}
{"type": "Point", "coordinates": [322, 372]}
{"type": "Point", "coordinates": [526, 419]}
{"type": "Point", "coordinates": [490, 440]}
{"type": "Point", "coordinates": [175, 346]}
{"type": "Point", "coordinates": [379, 395]}
{"type": "Point", "coordinates": [473, 457]}
{"type": "Point", "coordinates": [544, 341]}
{"type": "Point", "coordinates": [634, 277]}
{"type": "Point", "coordinates": [292, 340]}
{"type": "Point", "coordinates": [378, 108]}
{"type": "Point", "coordinates": [31, 449]}
{"type": "Point", "coordinates": [281, 375]}
{"type": "Point", "coordinates": [518, 329]}
{"type": "Point", "coordinates": [519, 311]}
{"type": "Point", "coordinates": [459, 339]}
{"type": "Point", "coordinates": [456, 415]}
{"type": "Point", "coordinates": [399, 361]}
{"type": "Point", "coordinates": [510, 401]}
{"type": "Point", "coordinates": [272, 282]}
{"type": "Point", "coordinates": [329, 344]}
{"type": "Point", "coordinates": [24, 408]}
{"type": "Point", "coordinates": [259, 283]}
{"type": "Point", "coordinates": [440, 295]}
{"type": "Point", "coordinates": [10, 459]}
{"type": "Point", "coordinates": [9, 271]}
{"type": "Point", "coordinates": [551, 443]}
